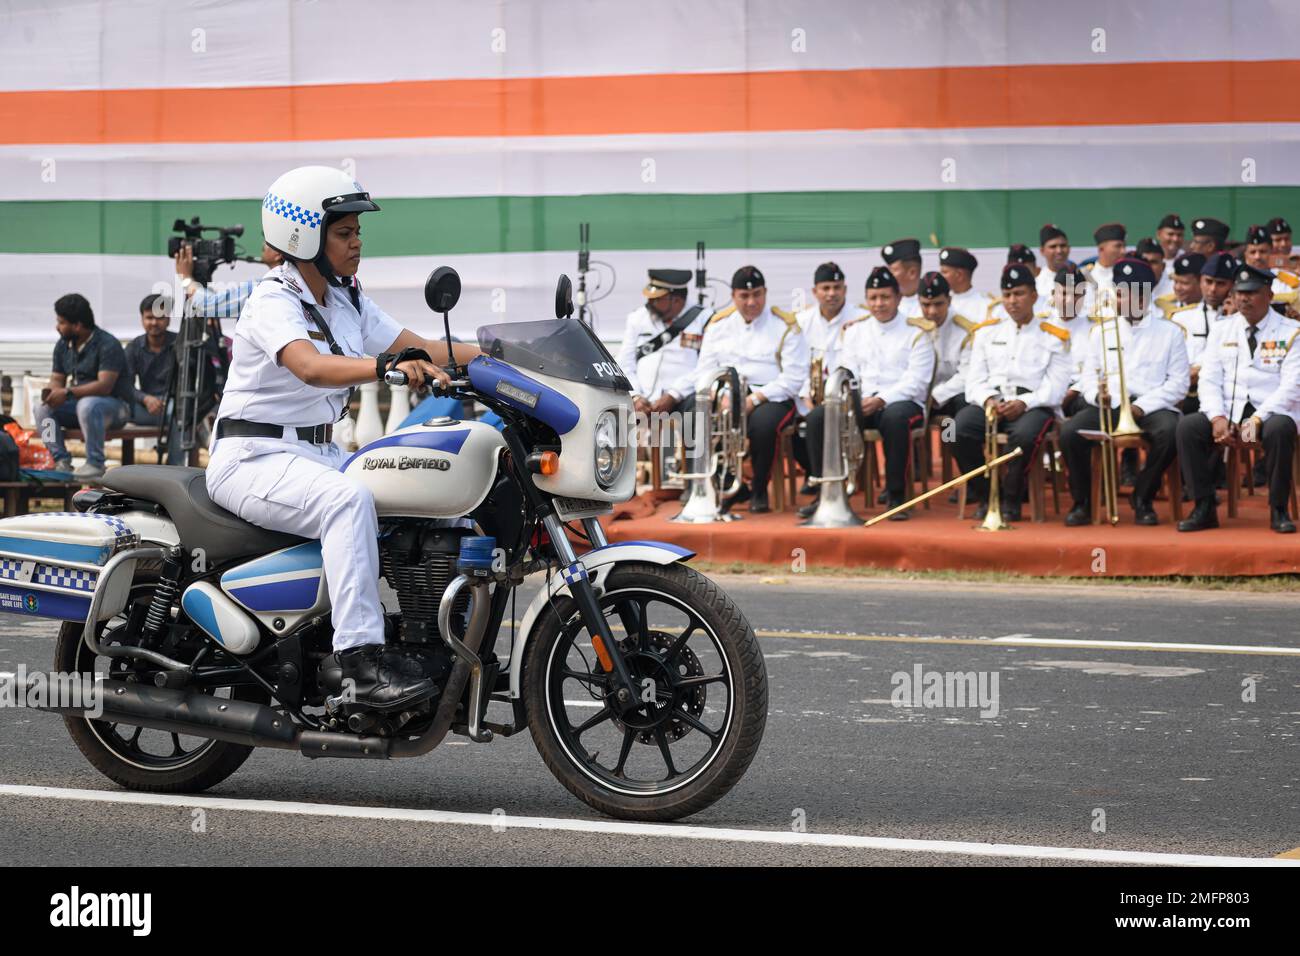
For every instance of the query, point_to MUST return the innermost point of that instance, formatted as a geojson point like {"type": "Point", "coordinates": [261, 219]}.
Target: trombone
{"type": "Point", "coordinates": [1115, 433]}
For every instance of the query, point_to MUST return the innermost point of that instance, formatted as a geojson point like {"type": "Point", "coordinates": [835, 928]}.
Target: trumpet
{"type": "Point", "coordinates": [717, 454]}
{"type": "Point", "coordinates": [993, 516]}
{"type": "Point", "coordinates": [842, 453]}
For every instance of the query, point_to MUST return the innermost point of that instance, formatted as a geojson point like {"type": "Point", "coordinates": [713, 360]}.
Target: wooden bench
{"type": "Point", "coordinates": [127, 435]}
{"type": "Point", "coordinates": [18, 495]}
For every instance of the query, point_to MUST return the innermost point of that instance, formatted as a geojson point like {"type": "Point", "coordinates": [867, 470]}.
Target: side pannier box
{"type": "Point", "coordinates": [50, 564]}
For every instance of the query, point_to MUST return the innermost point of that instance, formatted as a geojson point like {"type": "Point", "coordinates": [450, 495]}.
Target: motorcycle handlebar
{"type": "Point", "coordinates": [395, 377]}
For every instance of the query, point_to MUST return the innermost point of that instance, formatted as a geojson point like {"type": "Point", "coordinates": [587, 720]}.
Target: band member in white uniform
{"type": "Point", "coordinates": [1068, 301]}
{"type": "Point", "coordinates": [1054, 246]}
{"type": "Point", "coordinates": [1250, 387]}
{"type": "Point", "coordinates": [661, 344]}
{"type": "Point", "coordinates": [767, 348]}
{"type": "Point", "coordinates": [822, 322]}
{"type": "Point", "coordinates": [1021, 366]}
{"type": "Point", "coordinates": [300, 347]}
{"type": "Point", "coordinates": [903, 257]}
{"type": "Point", "coordinates": [892, 356]}
{"type": "Point", "coordinates": [1200, 317]}
{"type": "Point", "coordinates": [1155, 373]}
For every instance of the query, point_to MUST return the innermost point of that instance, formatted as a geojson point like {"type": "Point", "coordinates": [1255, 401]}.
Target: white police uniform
{"type": "Point", "coordinates": [952, 343]}
{"type": "Point", "coordinates": [1231, 377]}
{"type": "Point", "coordinates": [893, 360]}
{"type": "Point", "coordinates": [1030, 363]}
{"type": "Point", "coordinates": [770, 352]}
{"type": "Point", "coordinates": [293, 485]}
{"type": "Point", "coordinates": [1156, 370]}
{"type": "Point", "coordinates": [823, 335]}
{"type": "Point", "coordinates": [1196, 320]}
{"type": "Point", "coordinates": [671, 368]}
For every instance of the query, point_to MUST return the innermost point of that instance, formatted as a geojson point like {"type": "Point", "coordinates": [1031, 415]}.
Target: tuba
{"type": "Point", "coordinates": [716, 454]}
{"type": "Point", "coordinates": [843, 451]}
{"type": "Point", "coordinates": [817, 380]}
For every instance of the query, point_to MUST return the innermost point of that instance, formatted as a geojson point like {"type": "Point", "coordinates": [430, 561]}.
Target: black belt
{"type": "Point", "coordinates": [239, 428]}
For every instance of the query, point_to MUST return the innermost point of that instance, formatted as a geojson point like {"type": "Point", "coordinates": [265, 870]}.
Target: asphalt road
{"type": "Point", "coordinates": [1136, 749]}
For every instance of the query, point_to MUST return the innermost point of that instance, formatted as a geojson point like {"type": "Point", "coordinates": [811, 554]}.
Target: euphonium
{"type": "Point", "coordinates": [717, 454]}
{"type": "Point", "coordinates": [817, 381]}
{"type": "Point", "coordinates": [842, 453]}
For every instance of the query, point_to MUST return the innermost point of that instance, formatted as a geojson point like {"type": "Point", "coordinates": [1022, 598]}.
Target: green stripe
{"type": "Point", "coordinates": [790, 220]}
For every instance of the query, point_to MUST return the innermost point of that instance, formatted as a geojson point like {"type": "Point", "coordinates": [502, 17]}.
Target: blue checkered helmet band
{"type": "Point", "coordinates": [292, 211]}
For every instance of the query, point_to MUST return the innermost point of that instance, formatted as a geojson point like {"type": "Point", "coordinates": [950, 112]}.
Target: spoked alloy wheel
{"type": "Point", "coordinates": [701, 686]}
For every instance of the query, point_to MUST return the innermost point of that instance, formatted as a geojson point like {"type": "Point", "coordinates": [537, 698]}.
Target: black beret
{"type": "Point", "coordinates": [901, 250]}
{"type": "Point", "coordinates": [1221, 265]}
{"type": "Point", "coordinates": [1279, 226]}
{"type": "Point", "coordinates": [958, 258]}
{"type": "Point", "coordinates": [1211, 227]}
{"type": "Point", "coordinates": [1070, 274]}
{"type": "Point", "coordinates": [1131, 271]}
{"type": "Point", "coordinates": [748, 277]}
{"type": "Point", "coordinates": [1016, 274]}
{"type": "Point", "coordinates": [663, 281]}
{"type": "Point", "coordinates": [1248, 279]}
{"type": "Point", "coordinates": [1171, 221]}
{"type": "Point", "coordinates": [1147, 245]}
{"type": "Point", "coordinates": [933, 285]}
{"type": "Point", "coordinates": [1189, 264]}
{"type": "Point", "coordinates": [882, 278]}
{"type": "Point", "coordinates": [828, 272]}
{"type": "Point", "coordinates": [1020, 252]}
{"type": "Point", "coordinates": [1257, 236]}
{"type": "Point", "coordinates": [1110, 231]}
{"type": "Point", "coordinates": [1050, 232]}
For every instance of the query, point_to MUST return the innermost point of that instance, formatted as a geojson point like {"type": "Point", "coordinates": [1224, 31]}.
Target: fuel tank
{"type": "Point", "coordinates": [442, 468]}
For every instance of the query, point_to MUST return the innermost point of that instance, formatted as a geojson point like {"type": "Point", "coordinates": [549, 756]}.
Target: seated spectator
{"type": "Point", "coordinates": [150, 365]}
{"type": "Point", "coordinates": [99, 396]}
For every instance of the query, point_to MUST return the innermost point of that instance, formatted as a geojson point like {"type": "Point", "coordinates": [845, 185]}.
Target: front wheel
{"type": "Point", "coordinates": [700, 677]}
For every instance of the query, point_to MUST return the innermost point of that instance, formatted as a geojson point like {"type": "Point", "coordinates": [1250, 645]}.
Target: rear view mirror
{"type": "Point", "coordinates": [442, 289]}
{"type": "Point", "coordinates": [563, 298]}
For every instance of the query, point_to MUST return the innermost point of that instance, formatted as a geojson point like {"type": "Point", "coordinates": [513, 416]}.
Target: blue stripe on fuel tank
{"type": "Point", "coordinates": [434, 440]}
{"type": "Point", "coordinates": [300, 557]}
{"type": "Point", "coordinates": [553, 408]}
{"type": "Point", "coordinates": [297, 594]}
{"type": "Point", "coordinates": [198, 606]}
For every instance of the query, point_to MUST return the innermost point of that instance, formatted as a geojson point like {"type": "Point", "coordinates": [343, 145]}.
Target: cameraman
{"type": "Point", "coordinates": [225, 304]}
{"type": "Point", "coordinates": [150, 366]}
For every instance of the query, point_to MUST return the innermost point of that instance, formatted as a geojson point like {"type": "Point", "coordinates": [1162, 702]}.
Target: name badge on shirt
{"type": "Point", "coordinates": [318, 336]}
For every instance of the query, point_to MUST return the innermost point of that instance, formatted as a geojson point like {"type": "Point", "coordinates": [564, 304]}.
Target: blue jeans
{"type": "Point", "coordinates": [94, 415]}
{"type": "Point", "coordinates": [142, 416]}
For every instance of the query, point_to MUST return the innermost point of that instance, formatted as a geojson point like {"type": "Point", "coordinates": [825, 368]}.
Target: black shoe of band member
{"type": "Point", "coordinates": [1010, 511]}
{"type": "Point", "coordinates": [758, 503]}
{"type": "Point", "coordinates": [1280, 521]}
{"type": "Point", "coordinates": [1080, 515]}
{"type": "Point", "coordinates": [385, 678]}
{"type": "Point", "coordinates": [1203, 516]}
{"type": "Point", "coordinates": [981, 510]}
{"type": "Point", "coordinates": [1143, 513]}
{"type": "Point", "coordinates": [739, 498]}
{"type": "Point", "coordinates": [893, 501]}
{"type": "Point", "coordinates": [883, 497]}
{"type": "Point", "coordinates": [807, 511]}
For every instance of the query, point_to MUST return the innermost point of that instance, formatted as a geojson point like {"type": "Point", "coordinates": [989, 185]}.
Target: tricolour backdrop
{"type": "Point", "coordinates": [780, 133]}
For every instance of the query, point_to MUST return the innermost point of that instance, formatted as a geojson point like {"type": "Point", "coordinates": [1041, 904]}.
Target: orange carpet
{"type": "Point", "coordinates": [935, 540]}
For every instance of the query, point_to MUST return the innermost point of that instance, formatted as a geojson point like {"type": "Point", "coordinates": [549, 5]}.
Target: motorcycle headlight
{"type": "Point", "coordinates": [609, 450]}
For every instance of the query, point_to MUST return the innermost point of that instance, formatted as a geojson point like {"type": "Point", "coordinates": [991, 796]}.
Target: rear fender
{"type": "Point", "coordinates": [599, 562]}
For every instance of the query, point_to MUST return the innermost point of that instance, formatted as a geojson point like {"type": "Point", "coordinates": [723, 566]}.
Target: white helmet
{"type": "Point", "coordinates": [300, 205]}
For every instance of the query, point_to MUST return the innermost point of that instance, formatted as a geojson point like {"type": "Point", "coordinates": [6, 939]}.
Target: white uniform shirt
{"type": "Point", "coordinates": [1007, 358]}
{"type": "Point", "coordinates": [893, 359]}
{"type": "Point", "coordinates": [908, 305]}
{"type": "Point", "coordinates": [1196, 319]}
{"type": "Point", "coordinates": [1044, 281]}
{"type": "Point", "coordinates": [1104, 288]}
{"type": "Point", "coordinates": [823, 336]}
{"type": "Point", "coordinates": [769, 352]}
{"type": "Point", "coordinates": [258, 387]}
{"type": "Point", "coordinates": [952, 342]}
{"type": "Point", "coordinates": [1258, 379]}
{"type": "Point", "coordinates": [1156, 371]}
{"type": "Point", "coordinates": [1079, 328]}
{"type": "Point", "coordinates": [671, 369]}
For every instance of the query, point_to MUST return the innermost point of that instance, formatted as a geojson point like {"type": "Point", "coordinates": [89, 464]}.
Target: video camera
{"type": "Point", "coordinates": [208, 253]}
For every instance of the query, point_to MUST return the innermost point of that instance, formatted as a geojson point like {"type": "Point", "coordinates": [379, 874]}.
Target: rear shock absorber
{"type": "Point", "coordinates": [164, 595]}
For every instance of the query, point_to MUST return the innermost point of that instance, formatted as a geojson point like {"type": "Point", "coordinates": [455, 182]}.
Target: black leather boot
{"type": "Point", "coordinates": [1143, 513]}
{"type": "Point", "coordinates": [758, 504]}
{"type": "Point", "coordinates": [1280, 521]}
{"type": "Point", "coordinates": [808, 510]}
{"type": "Point", "coordinates": [386, 677]}
{"type": "Point", "coordinates": [1080, 515]}
{"type": "Point", "coordinates": [1203, 516]}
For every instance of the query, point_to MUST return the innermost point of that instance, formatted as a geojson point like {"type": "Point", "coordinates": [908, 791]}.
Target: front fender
{"type": "Point", "coordinates": [599, 562]}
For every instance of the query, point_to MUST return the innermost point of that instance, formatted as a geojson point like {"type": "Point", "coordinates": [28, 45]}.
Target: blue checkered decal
{"type": "Point", "coordinates": [10, 568]}
{"type": "Point", "coordinates": [574, 573]}
{"type": "Point", "coordinates": [71, 578]}
{"type": "Point", "coordinates": [123, 534]}
{"type": "Point", "coordinates": [291, 211]}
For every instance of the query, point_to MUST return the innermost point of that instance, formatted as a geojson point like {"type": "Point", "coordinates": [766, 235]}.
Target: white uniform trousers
{"type": "Point", "coordinates": [296, 487]}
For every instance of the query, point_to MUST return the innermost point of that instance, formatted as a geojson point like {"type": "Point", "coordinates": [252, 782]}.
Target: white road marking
{"type": "Point", "coordinates": [1148, 645]}
{"type": "Point", "coordinates": [660, 830]}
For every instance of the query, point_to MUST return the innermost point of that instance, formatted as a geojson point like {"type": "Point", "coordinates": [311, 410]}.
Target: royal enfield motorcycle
{"type": "Point", "coordinates": [639, 679]}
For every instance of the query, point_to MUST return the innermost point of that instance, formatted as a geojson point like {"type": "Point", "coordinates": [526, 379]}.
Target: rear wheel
{"type": "Point", "coordinates": [700, 677]}
{"type": "Point", "coordinates": [139, 758]}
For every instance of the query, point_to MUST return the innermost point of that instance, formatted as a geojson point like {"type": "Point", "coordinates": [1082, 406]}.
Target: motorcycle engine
{"type": "Point", "coordinates": [418, 560]}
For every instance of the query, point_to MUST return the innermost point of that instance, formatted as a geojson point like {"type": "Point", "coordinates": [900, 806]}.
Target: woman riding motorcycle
{"type": "Point", "coordinates": [300, 348]}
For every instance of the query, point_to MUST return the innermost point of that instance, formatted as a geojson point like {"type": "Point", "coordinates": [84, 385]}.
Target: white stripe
{"type": "Point", "coordinates": [1046, 157]}
{"type": "Point", "coordinates": [650, 830]}
{"type": "Point", "coordinates": [110, 45]}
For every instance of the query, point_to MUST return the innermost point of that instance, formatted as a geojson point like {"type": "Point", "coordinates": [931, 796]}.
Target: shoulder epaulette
{"type": "Point", "coordinates": [1288, 279]}
{"type": "Point", "coordinates": [1060, 333]}
{"type": "Point", "coordinates": [721, 314]}
{"type": "Point", "coordinates": [921, 323]}
{"type": "Point", "coordinates": [1088, 267]}
{"type": "Point", "coordinates": [963, 323]}
{"type": "Point", "coordinates": [986, 323]}
{"type": "Point", "coordinates": [863, 305]}
{"type": "Point", "coordinates": [1286, 298]}
{"type": "Point", "coordinates": [1290, 340]}
{"type": "Point", "coordinates": [993, 303]}
{"type": "Point", "coordinates": [1183, 308]}
{"type": "Point", "coordinates": [789, 318]}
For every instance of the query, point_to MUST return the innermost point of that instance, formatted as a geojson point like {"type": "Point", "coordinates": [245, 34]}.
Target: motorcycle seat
{"type": "Point", "coordinates": [183, 493]}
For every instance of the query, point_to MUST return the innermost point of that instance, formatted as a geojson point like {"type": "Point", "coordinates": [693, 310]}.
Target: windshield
{"type": "Point", "coordinates": [564, 348]}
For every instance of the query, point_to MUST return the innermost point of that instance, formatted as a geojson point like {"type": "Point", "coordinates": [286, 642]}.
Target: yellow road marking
{"type": "Point", "coordinates": [1290, 854]}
